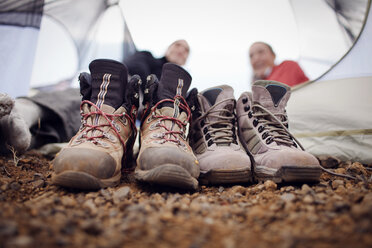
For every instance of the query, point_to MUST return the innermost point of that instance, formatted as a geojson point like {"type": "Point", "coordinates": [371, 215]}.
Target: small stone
{"type": "Point", "coordinates": [89, 204]}
{"type": "Point", "coordinates": [121, 194]}
{"type": "Point", "coordinates": [288, 197]}
{"type": "Point", "coordinates": [68, 201]}
{"type": "Point", "coordinates": [336, 183]}
{"type": "Point", "coordinates": [306, 189]}
{"type": "Point", "coordinates": [167, 216]}
{"type": "Point", "coordinates": [329, 161]}
{"type": "Point", "coordinates": [341, 206]}
{"type": "Point", "coordinates": [106, 194]}
{"type": "Point", "coordinates": [308, 199]}
{"type": "Point", "coordinates": [4, 187]}
{"type": "Point", "coordinates": [340, 171]}
{"type": "Point", "coordinates": [357, 168]}
{"type": "Point", "coordinates": [238, 189]}
{"type": "Point", "coordinates": [270, 185]}
{"type": "Point", "coordinates": [221, 189]}
{"type": "Point", "coordinates": [91, 227]}
{"type": "Point", "coordinates": [38, 183]}
{"type": "Point", "coordinates": [38, 176]}
{"type": "Point", "coordinates": [15, 186]}
{"type": "Point", "coordinates": [208, 221]}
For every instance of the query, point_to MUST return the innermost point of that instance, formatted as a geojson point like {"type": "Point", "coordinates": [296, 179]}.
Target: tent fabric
{"type": "Point", "coordinates": [23, 13]}
{"type": "Point", "coordinates": [332, 116]}
{"type": "Point", "coordinates": [19, 22]}
{"type": "Point", "coordinates": [77, 18]}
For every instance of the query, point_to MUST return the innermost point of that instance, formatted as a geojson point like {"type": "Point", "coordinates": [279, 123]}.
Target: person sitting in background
{"type": "Point", "coordinates": [53, 117]}
{"type": "Point", "coordinates": [143, 63]}
{"type": "Point", "coordinates": [262, 58]}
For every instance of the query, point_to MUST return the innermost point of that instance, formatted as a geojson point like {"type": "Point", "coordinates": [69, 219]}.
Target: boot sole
{"type": "Point", "coordinates": [83, 180]}
{"type": "Point", "coordinates": [168, 175]}
{"type": "Point", "coordinates": [226, 176]}
{"type": "Point", "coordinates": [288, 174]}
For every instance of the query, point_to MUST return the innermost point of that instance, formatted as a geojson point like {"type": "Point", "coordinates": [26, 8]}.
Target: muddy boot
{"type": "Point", "coordinates": [263, 131]}
{"type": "Point", "coordinates": [165, 156]}
{"type": "Point", "coordinates": [213, 138]}
{"type": "Point", "coordinates": [102, 147]}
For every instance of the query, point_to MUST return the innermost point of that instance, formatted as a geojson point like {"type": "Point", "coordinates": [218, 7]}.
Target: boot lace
{"type": "Point", "coordinates": [276, 130]}
{"type": "Point", "coordinates": [221, 131]}
{"type": "Point", "coordinates": [171, 135]}
{"type": "Point", "coordinates": [109, 122]}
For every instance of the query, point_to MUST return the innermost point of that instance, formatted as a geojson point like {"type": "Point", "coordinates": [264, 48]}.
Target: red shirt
{"type": "Point", "coordinates": [288, 72]}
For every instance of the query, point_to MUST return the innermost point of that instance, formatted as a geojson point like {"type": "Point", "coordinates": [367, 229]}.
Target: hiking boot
{"type": "Point", "coordinates": [213, 138]}
{"type": "Point", "coordinates": [165, 156]}
{"type": "Point", "coordinates": [96, 155]}
{"type": "Point", "coordinates": [263, 131]}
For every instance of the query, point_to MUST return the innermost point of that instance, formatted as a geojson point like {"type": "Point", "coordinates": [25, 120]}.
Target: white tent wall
{"type": "Point", "coordinates": [19, 30]}
{"type": "Point", "coordinates": [15, 79]}
{"type": "Point", "coordinates": [333, 116]}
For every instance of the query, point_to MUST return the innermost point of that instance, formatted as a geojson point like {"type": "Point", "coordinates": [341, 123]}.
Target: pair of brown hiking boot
{"type": "Point", "coordinates": [102, 149]}
{"type": "Point", "coordinates": [219, 129]}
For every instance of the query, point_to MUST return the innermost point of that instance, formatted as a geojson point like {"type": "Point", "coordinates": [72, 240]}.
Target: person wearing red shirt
{"type": "Point", "coordinates": [262, 59]}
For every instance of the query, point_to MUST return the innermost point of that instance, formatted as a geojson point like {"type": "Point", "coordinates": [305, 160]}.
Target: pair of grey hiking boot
{"type": "Point", "coordinates": [238, 142]}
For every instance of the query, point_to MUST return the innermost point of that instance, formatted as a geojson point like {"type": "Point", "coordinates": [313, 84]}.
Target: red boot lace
{"type": "Point", "coordinates": [170, 135]}
{"type": "Point", "coordinates": [108, 117]}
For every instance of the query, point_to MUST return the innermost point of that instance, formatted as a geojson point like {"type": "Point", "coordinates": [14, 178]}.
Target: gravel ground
{"type": "Point", "coordinates": [336, 212]}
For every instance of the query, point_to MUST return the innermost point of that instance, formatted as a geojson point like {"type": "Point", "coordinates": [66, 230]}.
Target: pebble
{"type": "Point", "coordinates": [68, 201]}
{"type": "Point", "coordinates": [306, 189]}
{"type": "Point", "coordinates": [38, 183]}
{"type": "Point", "coordinates": [15, 186]}
{"type": "Point", "coordinates": [270, 185]}
{"type": "Point", "coordinates": [120, 194]}
{"type": "Point", "coordinates": [238, 189]}
{"type": "Point", "coordinates": [89, 204]}
{"type": "Point", "coordinates": [308, 199]}
{"type": "Point", "coordinates": [288, 197]}
{"type": "Point", "coordinates": [357, 168]}
{"type": "Point", "coordinates": [336, 183]}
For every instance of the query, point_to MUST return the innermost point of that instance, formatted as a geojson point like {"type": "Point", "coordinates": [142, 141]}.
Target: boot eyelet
{"type": "Point", "coordinates": [210, 142]}
{"type": "Point", "coordinates": [202, 123]}
{"type": "Point", "coordinates": [269, 140]}
{"type": "Point", "coordinates": [245, 100]}
{"type": "Point", "coordinates": [207, 137]}
{"type": "Point", "coordinates": [250, 115]}
{"type": "Point", "coordinates": [264, 135]}
{"type": "Point", "coordinates": [255, 122]}
{"type": "Point", "coordinates": [260, 129]}
{"type": "Point", "coordinates": [247, 108]}
{"type": "Point", "coordinates": [205, 130]}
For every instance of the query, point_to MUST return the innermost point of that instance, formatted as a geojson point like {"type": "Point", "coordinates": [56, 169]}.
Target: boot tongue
{"type": "Point", "coordinates": [109, 81]}
{"type": "Point", "coordinates": [210, 98]}
{"type": "Point", "coordinates": [271, 94]}
{"type": "Point", "coordinates": [214, 95]}
{"type": "Point", "coordinates": [174, 81]}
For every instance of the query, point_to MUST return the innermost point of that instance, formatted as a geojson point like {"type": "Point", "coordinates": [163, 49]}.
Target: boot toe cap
{"type": "Point", "coordinates": [96, 163]}
{"type": "Point", "coordinates": [156, 156]}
